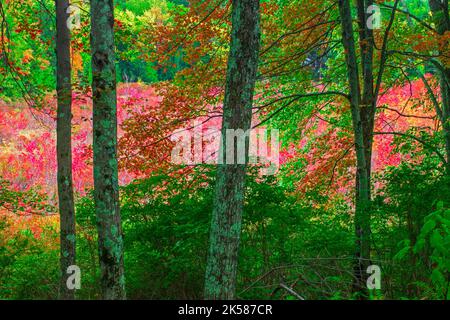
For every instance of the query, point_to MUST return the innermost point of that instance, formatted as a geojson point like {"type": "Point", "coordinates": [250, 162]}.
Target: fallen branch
{"type": "Point", "coordinates": [291, 291]}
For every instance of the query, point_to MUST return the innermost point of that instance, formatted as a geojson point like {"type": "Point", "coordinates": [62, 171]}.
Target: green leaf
{"type": "Point", "coordinates": [402, 253]}
{"type": "Point", "coordinates": [420, 244]}
{"type": "Point", "coordinates": [437, 277]}
{"type": "Point", "coordinates": [427, 227]}
{"type": "Point", "coordinates": [437, 241]}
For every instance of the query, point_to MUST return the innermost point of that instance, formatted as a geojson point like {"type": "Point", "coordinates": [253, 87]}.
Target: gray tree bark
{"type": "Point", "coordinates": [106, 188]}
{"type": "Point", "coordinates": [440, 13]}
{"type": "Point", "coordinates": [221, 269]}
{"type": "Point", "coordinates": [64, 147]}
{"type": "Point", "coordinates": [362, 109]}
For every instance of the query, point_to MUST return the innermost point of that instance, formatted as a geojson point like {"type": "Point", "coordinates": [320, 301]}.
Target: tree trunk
{"type": "Point", "coordinates": [362, 202]}
{"type": "Point", "coordinates": [440, 13]}
{"type": "Point", "coordinates": [445, 87]}
{"type": "Point", "coordinates": [367, 109]}
{"type": "Point", "coordinates": [64, 147]}
{"type": "Point", "coordinates": [221, 269]}
{"type": "Point", "coordinates": [106, 186]}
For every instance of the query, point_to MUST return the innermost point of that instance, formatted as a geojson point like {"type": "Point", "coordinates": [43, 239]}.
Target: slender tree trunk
{"type": "Point", "coordinates": [445, 87]}
{"type": "Point", "coordinates": [221, 269]}
{"type": "Point", "coordinates": [106, 186]}
{"type": "Point", "coordinates": [440, 13]}
{"type": "Point", "coordinates": [362, 216]}
{"type": "Point", "coordinates": [64, 146]}
{"type": "Point", "coordinates": [367, 109]}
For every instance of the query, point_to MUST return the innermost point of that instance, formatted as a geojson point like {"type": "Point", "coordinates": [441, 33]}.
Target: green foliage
{"type": "Point", "coordinates": [29, 269]}
{"type": "Point", "coordinates": [409, 225]}
{"type": "Point", "coordinates": [29, 68]}
{"type": "Point", "coordinates": [435, 234]}
{"type": "Point", "coordinates": [166, 228]}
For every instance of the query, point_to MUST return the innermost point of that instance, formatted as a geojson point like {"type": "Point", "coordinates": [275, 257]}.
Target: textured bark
{"type": "Point", "coordinates": [362, 115]}
{"type": "Point", "coordinates": [440, 13]}
{"type": "Point", "coordinates": [64, 147]}
{"type": "Point", "coordinates": [221, 269]}
{"type": "Point", "coordinates": [106, 191]}
{"type": "Point", "coordinates": [367, 109]}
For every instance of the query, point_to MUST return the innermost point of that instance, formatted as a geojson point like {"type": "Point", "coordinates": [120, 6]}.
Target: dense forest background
{"type": "Point", "coordinates": [358, 91]}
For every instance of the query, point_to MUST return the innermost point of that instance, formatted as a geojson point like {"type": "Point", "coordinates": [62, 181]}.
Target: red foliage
{"type": "Point", "coordinates": [328, 151]}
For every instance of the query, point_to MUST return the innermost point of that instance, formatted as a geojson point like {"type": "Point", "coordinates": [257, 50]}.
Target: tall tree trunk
{"type": "Point", "coordinates": [64, 147]}
{"type": "Point", "coordinates": [445, 87]}
{"type": "Point", "coordinates": [362, 202]}
{"type": "Point", "coordinates": [106, 186]}
{"type": "Point", "coordinates": [221, 269]}
{"type": "Point", "coordinates": [440, 13]}
{"type": "Point", "coordinates": [367, 110]}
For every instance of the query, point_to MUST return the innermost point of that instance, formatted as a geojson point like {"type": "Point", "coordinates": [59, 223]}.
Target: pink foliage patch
{"type": "Point", "coordinates": [28, 140]}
